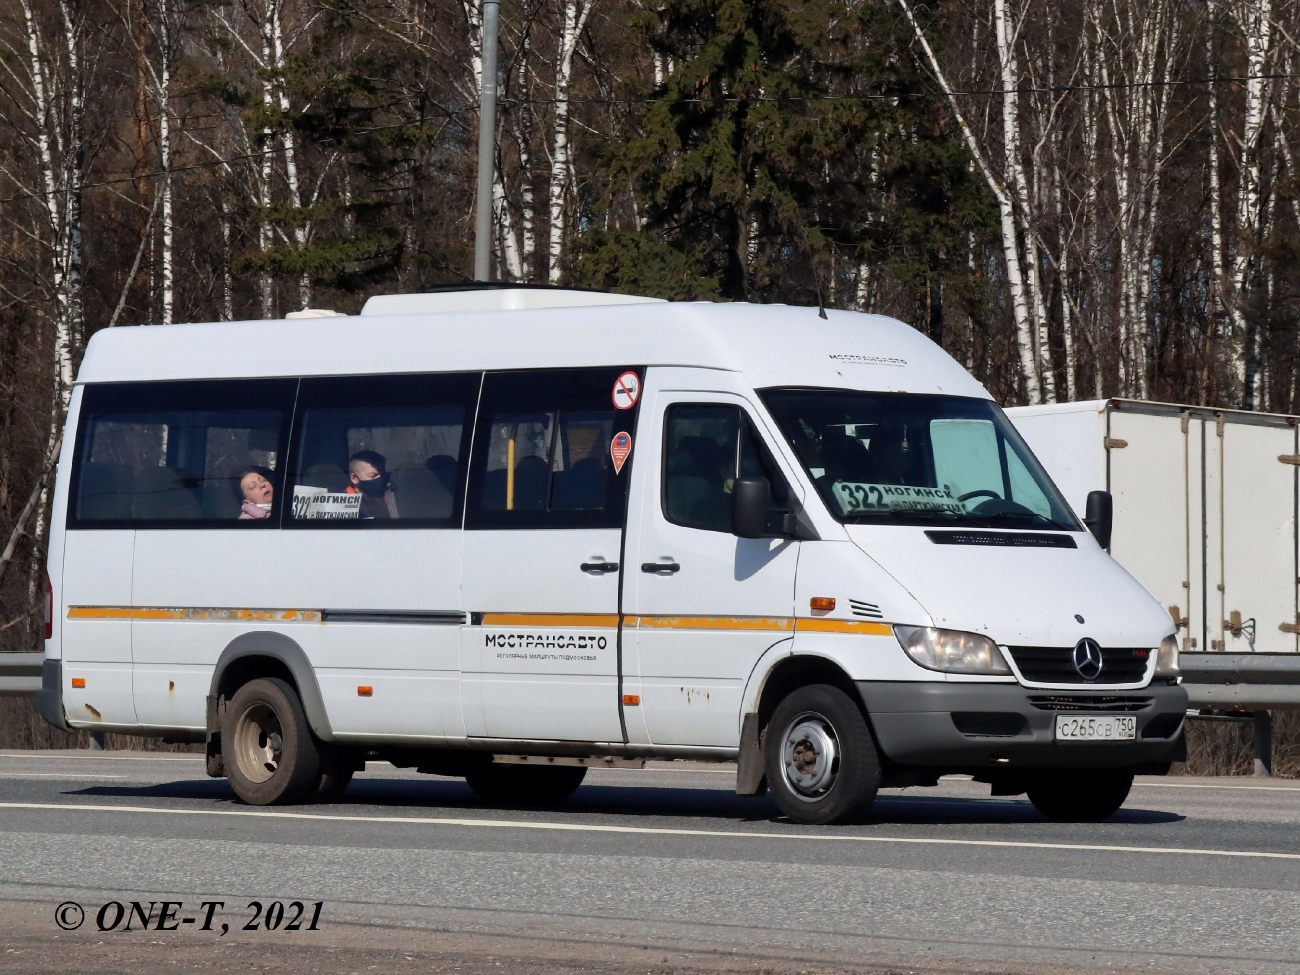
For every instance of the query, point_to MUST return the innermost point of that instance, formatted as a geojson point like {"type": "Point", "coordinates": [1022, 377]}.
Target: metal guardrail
{"type": "Point", "coordinates": [20, 673]}
{"type": "Point", "coordinates": [1232, 681]}
{"type": "Point", "coordinates": [1245, 681]}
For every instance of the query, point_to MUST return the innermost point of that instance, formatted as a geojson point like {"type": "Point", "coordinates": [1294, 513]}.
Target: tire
{"type": "Point", "coordinates": [336, 771]}
{"type": "Point", "coordinates": [529, 785]}
{"type": "Point", "coordinates": [821, 761]}
{"type": "Point", "coordinates": [267, 746]}
{"type": "Point", "coordinates": [1080, 795]}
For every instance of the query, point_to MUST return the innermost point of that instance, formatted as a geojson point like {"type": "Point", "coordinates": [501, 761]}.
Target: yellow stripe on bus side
{"type": "Point", "coordinates": [99, 612]}
{"type": "Point", "coordinates": [550, 619]}
{"type": "Point", "coordinates": [777, 623]}
{"type": "Point", "coordinates": [193, 613]}
{"type": "Point", "coordinates": [808, 625]}
{"type": "Point", "coordinates": [598, 620]}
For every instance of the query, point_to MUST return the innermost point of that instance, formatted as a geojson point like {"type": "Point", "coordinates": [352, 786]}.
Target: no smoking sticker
{"type": "Point", "coordinates": [627, 389]}
{"type": "Point", "coordinates": [619, 448]}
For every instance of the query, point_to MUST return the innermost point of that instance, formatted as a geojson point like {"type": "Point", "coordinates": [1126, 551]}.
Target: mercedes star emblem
{"type": "Point", "coordinates": [1087, 658]}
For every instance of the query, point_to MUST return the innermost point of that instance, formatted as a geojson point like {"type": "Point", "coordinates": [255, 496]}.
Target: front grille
{"type": "Point", "coordinates": [1055, 665]}
{"type": "Point", "coordinates": [1062, 702]}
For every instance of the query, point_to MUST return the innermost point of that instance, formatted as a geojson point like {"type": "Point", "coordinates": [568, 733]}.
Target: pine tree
{"type": "Point", "coordinates": [770, 156]}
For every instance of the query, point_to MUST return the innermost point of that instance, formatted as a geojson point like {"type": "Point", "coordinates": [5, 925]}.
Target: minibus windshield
{"type": "Point", "coordinates": [904, 458]}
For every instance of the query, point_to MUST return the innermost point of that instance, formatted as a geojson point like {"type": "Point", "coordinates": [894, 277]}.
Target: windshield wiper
{"type": "Point", "coordinates": [939, 513]}
{"type": "Point", "coordinates": [1021, 517]}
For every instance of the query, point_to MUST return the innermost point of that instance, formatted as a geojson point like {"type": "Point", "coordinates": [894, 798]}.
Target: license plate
{"type": "Point", "coordinates": [1096, 727]}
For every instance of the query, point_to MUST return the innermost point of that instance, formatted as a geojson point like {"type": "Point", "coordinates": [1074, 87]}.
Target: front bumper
{"type": "Point", "coordinates": [976, 727]}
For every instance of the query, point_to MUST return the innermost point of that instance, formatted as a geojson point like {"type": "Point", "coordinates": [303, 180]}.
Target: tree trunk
{"type": "Point", "coordinates": [575, 19]}
{"type": "Point", "coordinates": [1010, 250]}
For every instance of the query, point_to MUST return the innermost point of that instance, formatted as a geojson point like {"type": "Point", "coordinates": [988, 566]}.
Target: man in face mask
{"type": "Point", "coordinates": [369, 479]}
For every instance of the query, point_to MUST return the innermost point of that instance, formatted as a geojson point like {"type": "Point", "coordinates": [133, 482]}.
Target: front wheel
{"type": "Point", "coordinates": [820, 758]}
{"type": "Point", "coordinates": [1080, 795]}
{"type": "Point", "coordinates": [267, 746]}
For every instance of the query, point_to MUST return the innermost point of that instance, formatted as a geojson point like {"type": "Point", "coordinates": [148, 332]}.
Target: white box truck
{"type": "Point", "coordinates": [1205, 504]}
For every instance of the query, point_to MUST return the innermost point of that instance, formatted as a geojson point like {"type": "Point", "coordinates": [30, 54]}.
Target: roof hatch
{"type": "Point", "coordinates": [481, 296]}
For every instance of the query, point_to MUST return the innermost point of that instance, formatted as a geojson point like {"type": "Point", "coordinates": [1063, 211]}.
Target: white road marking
{"type": "Point", "coordinates": [106, 758]}
{"type": "Point", "coordinates": [55, 775]}
{"type": "Point", "coordinates": [1206, 785]}
{"type": "Point", "coordinates": [653, 830]}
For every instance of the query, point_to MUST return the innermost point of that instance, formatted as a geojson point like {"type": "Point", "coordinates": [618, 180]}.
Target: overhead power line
{"type": "Point", "coordinates": [653, 100]}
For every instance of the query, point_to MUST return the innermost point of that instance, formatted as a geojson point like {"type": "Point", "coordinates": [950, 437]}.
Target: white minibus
{"type": "Point", "coordinates": [510, 533]}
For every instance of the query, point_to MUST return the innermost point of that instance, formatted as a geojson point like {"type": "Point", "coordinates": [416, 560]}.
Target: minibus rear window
{"type": "Point", "coordinates": [904, 458]}
{"type": "Point", "coordinates": [203, 454]}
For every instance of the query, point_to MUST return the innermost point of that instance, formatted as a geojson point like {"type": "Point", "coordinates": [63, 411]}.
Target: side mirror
{"type": "Point", "coordinates": [1099, 516]}
{"type": "Point", "coordinates": [749, 498]}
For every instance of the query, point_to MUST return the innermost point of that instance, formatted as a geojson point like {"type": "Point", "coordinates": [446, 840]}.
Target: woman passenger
{"type": "Point", "coordinates": [255, 493]}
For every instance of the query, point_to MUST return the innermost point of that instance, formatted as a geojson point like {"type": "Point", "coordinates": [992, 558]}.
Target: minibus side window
{"type": "Point", "coordinates": [705, 445]}
{"type": "Point", "coordinates": [181, 454]}
{"type": "Point", "coordinates": [381, 451]}
{"type": "Point", "coordinates": [543, 451]}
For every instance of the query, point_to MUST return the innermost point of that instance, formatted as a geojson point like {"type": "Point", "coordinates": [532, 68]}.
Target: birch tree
{"type": "Point", "coordinates": [1253, 19]}
{"type": "Point", "coordinates": [1025, 324]}
{"type": "Point", "coordinates": [44, 74]}
{"type": "Point", "coordinates": [574, 21]}
{"type": "Point", "coordinates": [158, 46]}
{"type": "Point", "coordinates": [1138, 48]}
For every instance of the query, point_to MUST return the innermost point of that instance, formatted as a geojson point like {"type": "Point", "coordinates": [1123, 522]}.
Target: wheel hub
{"type": "Point", "coordinates": [259, 742]}
{"type": "Point", "coordinates": [810, 756]}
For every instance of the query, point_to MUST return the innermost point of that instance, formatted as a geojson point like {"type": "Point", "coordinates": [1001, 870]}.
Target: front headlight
{"type": "Point", "coordinates": [952, 651]}
{"type": "Point", "coordinates": [1167, 657]}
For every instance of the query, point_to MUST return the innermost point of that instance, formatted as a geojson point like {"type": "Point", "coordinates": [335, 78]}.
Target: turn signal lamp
{"type": "Point", "coordinates": [1167, 657]}
{"type": "Point", "coordinates": [822, 602]}
{"type": "Point", "coordinates": [365, 690]}
{"type": "Point", "coordinates": [78, 682]}
{"type": "Point", "coordinates": [632, 700]}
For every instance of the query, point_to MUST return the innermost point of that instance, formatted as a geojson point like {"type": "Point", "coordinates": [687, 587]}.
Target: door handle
{"type": "Point", "coordinates": [667, 568]}
{"type": "Point", "coordinates": [599, 567]}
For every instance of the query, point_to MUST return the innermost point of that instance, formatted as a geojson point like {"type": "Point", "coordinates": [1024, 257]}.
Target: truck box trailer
{"type": "Point", "coordinates": [1205, 517]}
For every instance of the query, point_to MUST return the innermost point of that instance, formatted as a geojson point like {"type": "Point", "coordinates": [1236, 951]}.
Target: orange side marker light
{"type": "Point", "coordinates": [365, 690]}
{"type": "Point", "coordinates": [632, 700]}
{"type": "Point", "coordinates": [822, 602]}
{"type": "Point", "coordinates": [78, 682]}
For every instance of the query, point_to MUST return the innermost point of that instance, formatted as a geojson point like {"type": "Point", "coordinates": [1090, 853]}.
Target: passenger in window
{"type": "Point", "coordinates": [370, 479]}
{"type": "Point", "coordinates": [255, 493]}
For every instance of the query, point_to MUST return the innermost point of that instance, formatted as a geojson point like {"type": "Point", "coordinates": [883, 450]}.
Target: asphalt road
{"type": "Point", "coordinates": [662, 869]}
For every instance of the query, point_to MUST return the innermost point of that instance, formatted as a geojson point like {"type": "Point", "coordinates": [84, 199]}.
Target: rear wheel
{"type": "Point", "coordinates": [267, 746]}
{"type": "Point", "coordinates": [820, 758]}
{"type": "Point", "coordinates": [526, 784]}
{"type": "Point", "coordinates": [1080, 795]}
{"type": "Point", "coordinates": [336, 770]}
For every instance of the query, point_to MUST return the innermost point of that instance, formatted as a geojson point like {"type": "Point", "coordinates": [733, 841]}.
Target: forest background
{"type": "Point", "coordinates": [1077, 199]}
